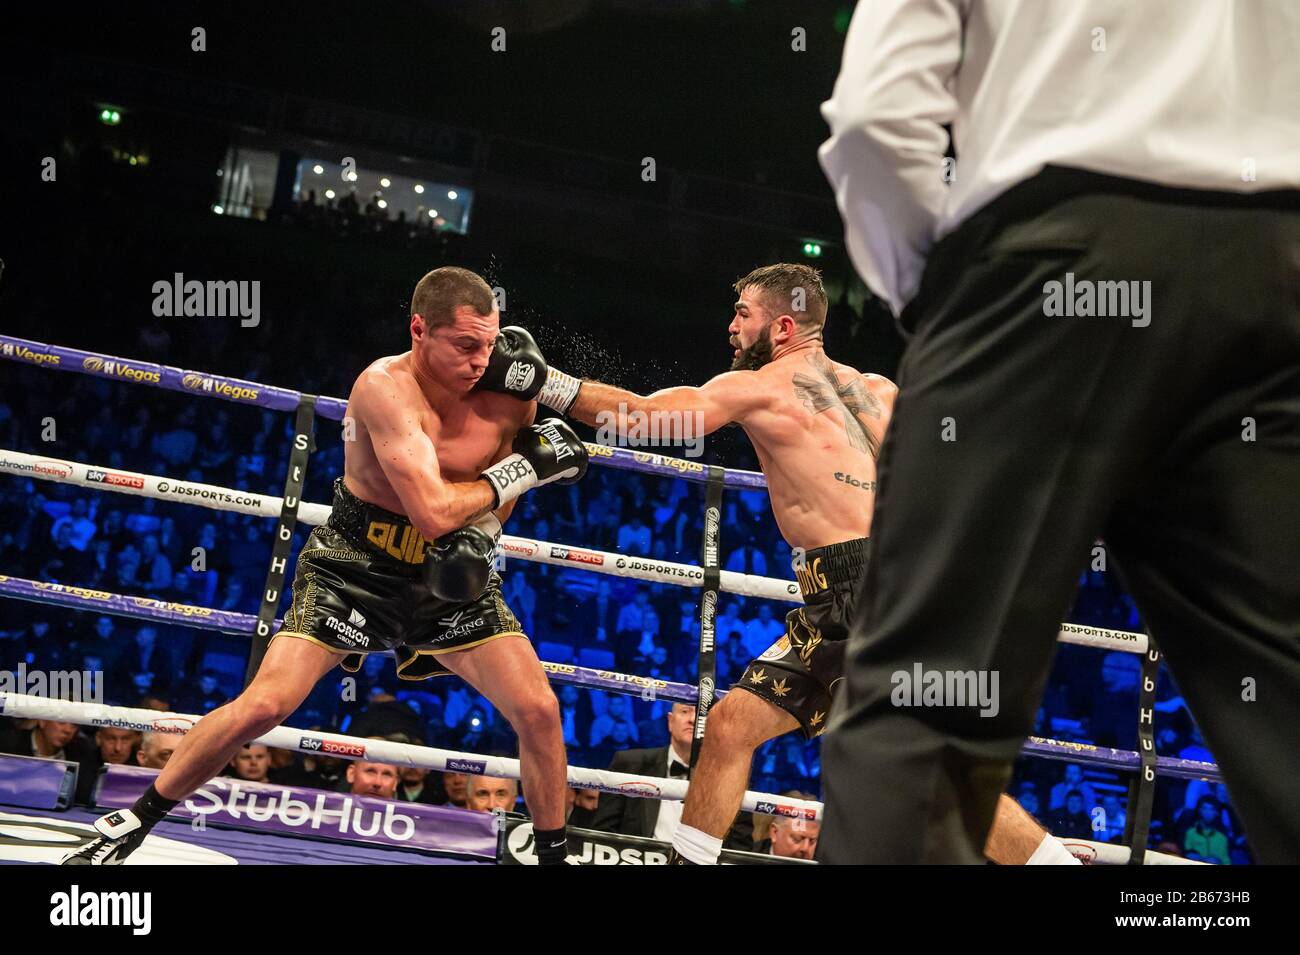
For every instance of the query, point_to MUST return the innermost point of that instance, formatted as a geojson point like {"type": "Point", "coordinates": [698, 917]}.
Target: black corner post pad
{"type": "Point", "coordinates": [709, 563]}
{"type": "Point", "coordinates": [304, 443]}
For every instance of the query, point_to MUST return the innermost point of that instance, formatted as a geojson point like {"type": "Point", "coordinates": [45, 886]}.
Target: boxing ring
{"type": "Point", "coordinates": [289, 509]}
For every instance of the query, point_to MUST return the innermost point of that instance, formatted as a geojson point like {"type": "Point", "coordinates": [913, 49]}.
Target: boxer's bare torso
{"type": "Point", "coordinates": [817, 429]}
{"type": "Point", "coordinates": [468, 432]}
{"type": "Point", "coordinates": [815, 423]}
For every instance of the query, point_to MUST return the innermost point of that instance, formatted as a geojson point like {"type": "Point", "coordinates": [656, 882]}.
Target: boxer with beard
{"type": "Point", "coordinates": [817, 427]}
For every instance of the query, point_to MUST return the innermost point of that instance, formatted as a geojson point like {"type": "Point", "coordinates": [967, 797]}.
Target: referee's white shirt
{"type": "Point", "coordinates": [1194, 93]}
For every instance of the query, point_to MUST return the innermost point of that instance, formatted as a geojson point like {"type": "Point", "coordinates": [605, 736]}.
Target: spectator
{"type": "Point", "coordinates": [490, 793]}
{"type": "Point", "coordinates": [456, 786]}
{"type": "Point", "coordinates": [1070, 821]}
{"type": "Point", "coordinates": [575, 716]}
{"type": "Point", "coordinates": [747, 560]}
{"type": "Point", "coordinates": [155, 568]}
{"type": "Point", "coordinates": [115, 745]}
{"type": "Point", "coordinates": [580, 807]}
{"type": "Point", "coordinates": [1028, 799]}
{"type": "Point", "coordinates": [659, 818]}
{"type": "Point", "coordinates": [788, 837]}
{"type": "Point", "coordinates": [156, 748]}
{"type": "Point", "coordinates": [600, 621]}
{"type": "Point", "coordinates": [367, 778]}
{"type": "Point", "coordinates": [1205, 840]}
{"type": "Point", "coordinates": [634, 538]}
{"type": "Point", "coordinates": [638, 626]}
{"type": "Point", "coordinates": [417, 784]}
{"type": "Point", "coordinates": [51, 739]}
{"type": "Point", "coordinates": [82, 527]}
{"type": "Point", "coordinates": [64, 563]}
{"type": "Point", "coordinates": [1073, 780]}
{"type": "Point", "coordinates": [1109, 822]}
{"type": "Point", "coordinates": [763, 631]}
{"type": "Point", "coordinates": [617, 713]}
{"type": "Point", "coordinates": [251, 763]}
{"type": "Point", "coordinates": [206, 696]}
{"type": "Point", "coordinates": [149, 666]}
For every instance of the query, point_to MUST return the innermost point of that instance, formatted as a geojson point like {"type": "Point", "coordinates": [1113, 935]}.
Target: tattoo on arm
{"type": "Point", "coordinates": [823, 391]}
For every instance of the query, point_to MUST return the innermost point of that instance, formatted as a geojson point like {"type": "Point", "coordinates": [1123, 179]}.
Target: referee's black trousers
{"type": "Point", "coordinates": [1018, 439]}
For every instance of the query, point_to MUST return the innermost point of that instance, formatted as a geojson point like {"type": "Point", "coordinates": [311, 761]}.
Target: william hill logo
{"type": "Point", "coordinates": [215, 386]}
{"type": "Point", "coordinates": [119, 369]}
{"type": "Point", "coordinates": [23, 353]}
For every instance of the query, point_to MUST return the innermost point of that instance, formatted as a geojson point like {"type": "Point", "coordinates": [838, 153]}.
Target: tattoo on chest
{"type": "Point", "coordinates": [822, 391]}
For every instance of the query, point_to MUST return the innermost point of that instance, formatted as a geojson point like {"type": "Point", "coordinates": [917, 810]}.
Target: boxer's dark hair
{"type": "Point", "coordinates": [439, 293]}
{"type": "Point", "coordinates": [778, 283]}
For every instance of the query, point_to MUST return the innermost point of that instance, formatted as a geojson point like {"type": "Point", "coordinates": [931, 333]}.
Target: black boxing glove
{"type": "Point", "coordinates": [457, 566]}
{"type": "Point", "coordinates": [515, 367]}
{"type": "Point", "coordinates": [545, 452]}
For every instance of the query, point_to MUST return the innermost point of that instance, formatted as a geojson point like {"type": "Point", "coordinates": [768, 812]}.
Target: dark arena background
{"type": "Point", "coordinates": [610, 168]}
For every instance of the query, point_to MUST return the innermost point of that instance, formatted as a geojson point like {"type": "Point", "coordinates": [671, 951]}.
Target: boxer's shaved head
{"type": "Point", "coordinates": [442, 291]}
{"type": "Point", "coordinates": [789, 289]}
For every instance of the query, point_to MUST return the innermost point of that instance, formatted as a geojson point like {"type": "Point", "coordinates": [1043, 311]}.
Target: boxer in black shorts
{"type": "Point", "coordinates": [798, 673]}
{"type": "Point", "coordinates": [431, 467]}
{"type": "Point", "coordinates": [817, 426]}
{"type": "Point", "coordinates": [359, 588]}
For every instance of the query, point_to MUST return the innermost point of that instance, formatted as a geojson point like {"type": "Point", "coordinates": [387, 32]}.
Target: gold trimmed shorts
{"type": "Point", "coordinates": [798, 673]}
{"type": "Point", "coordinates": [355, 601]}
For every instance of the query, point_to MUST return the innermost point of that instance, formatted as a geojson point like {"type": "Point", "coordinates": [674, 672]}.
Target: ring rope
{"type": "Point", "coordinates": [147, 608]}
{"type": "Point", "coordinates": [313, 743]}
{"type": "Point", "coordinates": [131, 371]}
{"type": "Point", "coordinates": [546, 552]}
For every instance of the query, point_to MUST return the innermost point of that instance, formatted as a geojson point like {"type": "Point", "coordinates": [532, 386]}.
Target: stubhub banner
{"type": "Point", "coordinates": [315, 812]}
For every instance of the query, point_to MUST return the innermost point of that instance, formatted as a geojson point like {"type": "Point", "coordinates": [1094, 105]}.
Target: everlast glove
{"type": "Point", "coordinates": [543, 453]}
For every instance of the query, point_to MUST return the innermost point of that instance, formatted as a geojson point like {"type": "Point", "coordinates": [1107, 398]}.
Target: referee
{"type": "Point", "coordinates": [1102, 300]}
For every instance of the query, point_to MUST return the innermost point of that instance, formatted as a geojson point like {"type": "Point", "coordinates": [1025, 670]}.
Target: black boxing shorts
{"type": "Point", "coordinates": [798, 673]}
{"type": "Point", "coordinates": [359, 588]}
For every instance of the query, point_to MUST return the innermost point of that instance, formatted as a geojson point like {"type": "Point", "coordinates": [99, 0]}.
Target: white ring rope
{"type": "Point", "coordinates": [545, 552]}
{"type": "Point", "coordinates": [313, 743]}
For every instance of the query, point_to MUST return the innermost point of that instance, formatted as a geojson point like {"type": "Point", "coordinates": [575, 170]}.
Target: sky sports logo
{"type": "Point", "coordinates": [331, 746]}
